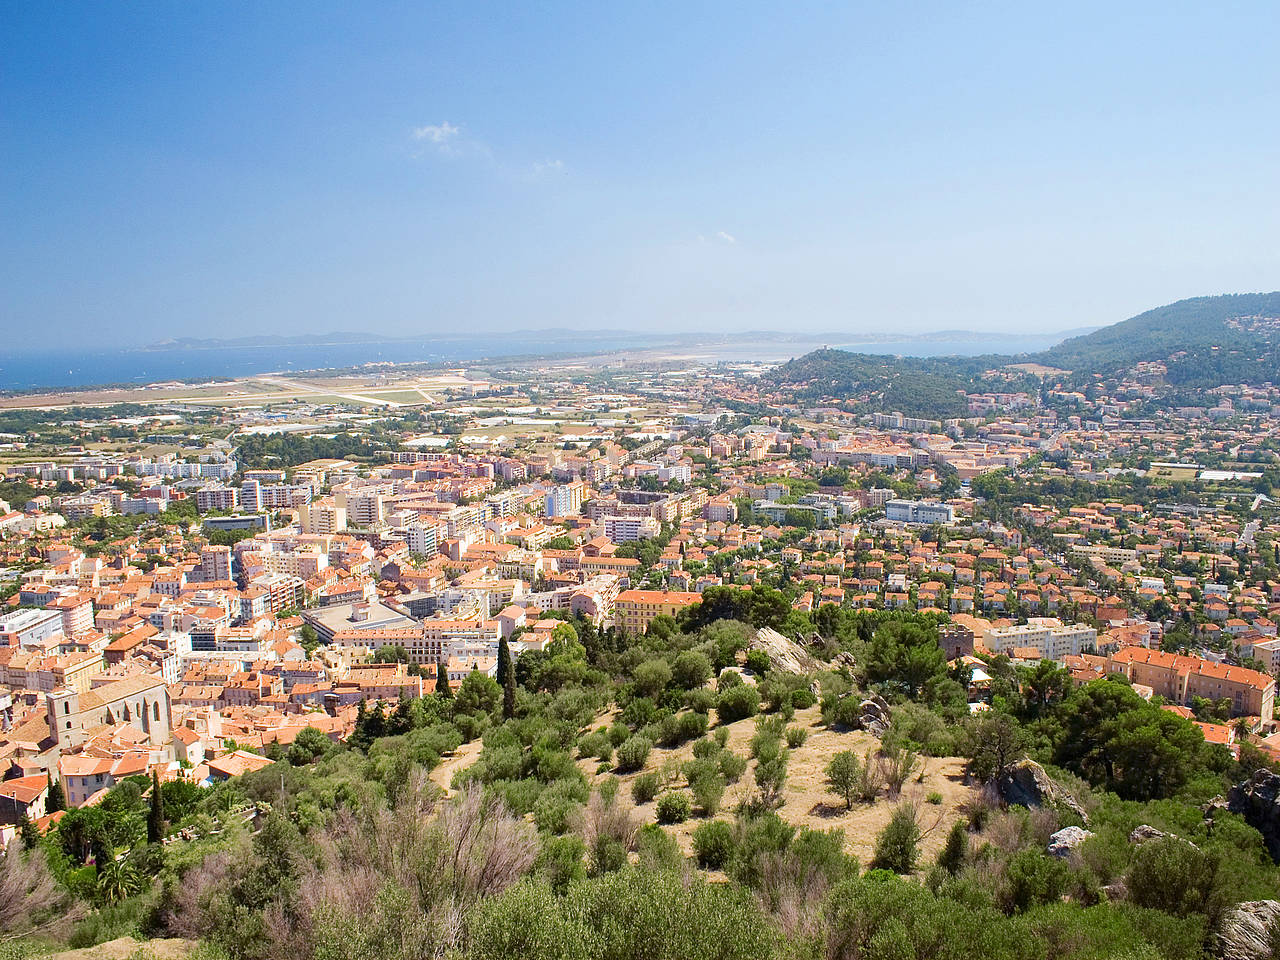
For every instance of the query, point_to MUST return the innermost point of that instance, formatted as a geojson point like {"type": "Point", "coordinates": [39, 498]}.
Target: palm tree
{"type": "Point", "coordinates": [118, 879]}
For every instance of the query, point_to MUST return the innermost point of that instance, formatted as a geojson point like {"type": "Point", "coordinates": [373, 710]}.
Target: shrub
{"type": "Point", "coordinates": [721, 736]}
{"type": "Point", "coordinates": [673, 808]}
{"type": "Point", "coordinates": [705, 749]}
{"type": "Point", "coordinates": [713, 844]}
{"type": "Point", "coordinates": [738, 703]}
{"type": "Point", "coordinates": [1032, 878]}
{"type": "Point", "coordinates": [1170, 874]}
{"type": "Point", "coordinates": [953, 854]}
{"type": "Point", "coordinates": [646, 786]}
{"type": "Point", "coordinates": [845, 712]}
{"type": "Point", "coordinates": [596, 745]}
{"type": "Point", "coordinates": [560, 862]}
{"type": "Point", "coordinates": [657, 849]}
{"type": "Point", "coordinates": [898, 843]}
{"type": "Point", "coordinates": [554, 809]}
{"type": "Point", "coordinates": [682, 727]}
{"type": "Point", "coordinates": [803, 699]}
{"type": "Point", "coordinates": [618, 734]}
{"type": "Point", "coordinates": [633, 753]}
{"type": "Point", "coordinates": [708, 790]}
{"type": "Point", "coordinates": [796, 736]}
{"type": "Point", "coordinates": [691, 669]}
{"type": "Point", "coordinates": [758, 662]}
{"type": "Point", "coordinates": [843, 775]}
{"type": "Point", "coordinates": [934, 798]}
{"type": "Point", "coordinates": [732, 765]}
{"type": "Point", "coordinates": [652, 677]}
{"type": "Point", "coordinates": [770, 777]}
{"type": "Point", "coordinates": [701, 700]}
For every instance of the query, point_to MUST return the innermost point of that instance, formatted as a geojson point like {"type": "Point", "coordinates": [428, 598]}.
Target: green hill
{"type": "Point", "coordinates": [1241, 325]}
{"type": "Point", "coordinates": [925, 387]}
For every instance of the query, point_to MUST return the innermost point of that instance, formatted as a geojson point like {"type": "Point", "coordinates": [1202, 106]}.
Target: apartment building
{"type": "Point", "coordinates": [634, 610]}
{"type": "Point", "coordinates": [1179, 679]}
{"type": "Point", "coordinates": [919, 511]}
{"type": "Point", "coordinates": [1049, 636]}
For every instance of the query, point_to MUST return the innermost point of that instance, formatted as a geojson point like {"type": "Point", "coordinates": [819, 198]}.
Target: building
{"type": "Point", "coordinates": [140, 700]}
{"type": "Point", "coordinates": [1179, 679]}
{"type": "Point", "coordinates": [1052, 639]}
{"type": "Point", "coordinates": [217, 498]}
{"type": "Point", "coordinates": [27, 628]}
{"type": "Point", "coordinates": [322, 517]}
{"type": "Point", "coordinates": [422, 538]}
{"type": "Point", "coordinates": [634, 610]}
{"type": "Point", "coordinates": [564, 500]}
{"type": "Point", "coordinates": [919, 511]}
{"type": "Point", "coordinates": [215, 564]}
{"type": "Point", "coordinates": [627, 529]}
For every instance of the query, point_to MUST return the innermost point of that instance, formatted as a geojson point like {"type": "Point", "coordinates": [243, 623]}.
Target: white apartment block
{"type": "Point", "coordinates": [1048, 635]}
{"type": "Point", "coordinates": [919, 511]}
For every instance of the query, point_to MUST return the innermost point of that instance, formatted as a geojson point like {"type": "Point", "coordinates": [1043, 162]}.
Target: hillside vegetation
{"type": "Point", "coordinates": [1196, 325]}
{"type": "Point", "coordinates": [679, 795]}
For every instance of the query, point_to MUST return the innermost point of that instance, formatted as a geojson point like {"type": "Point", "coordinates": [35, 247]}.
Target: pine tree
{"type": "Point", "coordinates": [155, 818]}
{"type": "Point", "coordinates": [57, 800]}
{"type": "Point", "coordinates": [28, 831]}
{"type": "Point", "coordinates": [507, 678]}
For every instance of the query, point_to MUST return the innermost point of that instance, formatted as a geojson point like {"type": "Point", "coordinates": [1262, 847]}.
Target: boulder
{"type": "Point", "coordinates": [1245, 932]}
{"type": "Point", "coordinates": [1258, 801]}
{"type": "Point", "coordinates": [1067, 839]}
{"type": "Point", "coordinates": [1024, 783]}
{"type": "Point", "coordinates": [1143, 833]}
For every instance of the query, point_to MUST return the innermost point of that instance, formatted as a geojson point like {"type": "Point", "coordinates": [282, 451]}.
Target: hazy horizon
{"type": "Point", "coordinates": [234, 170]}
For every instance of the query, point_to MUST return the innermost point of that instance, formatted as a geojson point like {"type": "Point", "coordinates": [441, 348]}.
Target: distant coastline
{"type": "Point", "coordinates": [194, 361]}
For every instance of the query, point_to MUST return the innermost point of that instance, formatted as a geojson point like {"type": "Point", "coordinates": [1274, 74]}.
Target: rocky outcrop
{"type": "Point", "coordinates": [784, 654]}
{"type": "Point", "coordinates": [1245, 933]}
{"type": "Point", "coordinates": [1024, 783]}
{"type": "Point", "coordinates": [1258, 801]}
{"type": "Point", "coordinates": [874, 715]}
{"type": "Point", "coordinates": [1066, 840]}
{"type": "Point", "coordinates": [1144, 833]}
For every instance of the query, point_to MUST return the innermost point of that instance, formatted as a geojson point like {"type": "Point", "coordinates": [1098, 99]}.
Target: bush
{"type": "Point", "coordinates": [953, 854]}
{"type": "Point", "coordinates": [706, 749]}
{"type": "Point", "coordinates": [652, 677]}
{"type": "Point", "coordinates": [657, 849]}
{"type": "Point", "coordinates": [633, 753]}
{"type": "Point", "coordinates": [934, 798]}
{"type": "Point", "coordinates": [560, 862]}
{"type": "Point", "coordinates": [845, 712]}
{"type": "Point", "coordinates": [1170, 874]}
{"type": "Point", "coordinates": [554, 809]}
{"type": "Point", "coordinates": [682, 727]}
{"type": "Point", "coordinates": [732, 765]}
{"type": "Point", "coordinates": [707, 786]}
{"type": "Point", "coordinates": [898, 843]}
{"type": "Point", "coordinates": [1032, 878]}
{"type": "Point", "coordinates": [701, 700]}
{"type": "Point", "coordinates": [596, 745]}
{"type": "Point", "coordinates": [796, 737]}
{"type": "Point", "coordinates": [713, 844]}
{"type": "Point", "coordinates": [673, 808]}
{"type": "Point", "coordinates": [758, 662]}
{"type": "Point", "coordinates": [691, 669]}
{"type": "Point", "coordinates": [843, 775]}
{"type": "Point", "coordinates": [803, 699]}
{"type": "Point", "coordinates": [738, 703]}
{"type": "Point", "coordinates": [646, 786]}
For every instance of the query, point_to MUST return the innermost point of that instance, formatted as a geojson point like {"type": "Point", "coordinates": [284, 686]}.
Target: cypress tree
{"type": "Point", "coordinates": [442, 678]}
{"type": "Point", "coordinates": [507, 677]}
{"type": "Point", "coordinates": [57, 800]}
{"type": "Point", "coordinates": [28, 832]}
{"type": "Point", "coordinates": [155, 818]}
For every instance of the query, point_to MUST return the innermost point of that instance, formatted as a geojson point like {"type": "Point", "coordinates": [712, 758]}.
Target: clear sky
{"type": "Point", "coordinates": [223, 169]}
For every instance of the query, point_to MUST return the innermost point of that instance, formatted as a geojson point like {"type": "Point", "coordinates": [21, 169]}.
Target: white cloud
{"type": "Point", "coordinates": [441, 134]}
{"type": "Point", "coordinates": [548, 166]}
{"type": "Point", "coordinates": [726, 237]}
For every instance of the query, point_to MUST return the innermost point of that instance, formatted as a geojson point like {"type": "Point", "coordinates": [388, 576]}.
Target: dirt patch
{"type": "Point", "coordinates": [127, 948]}
{"type": "Point", "coordinates": [808, 803]}
{"type": "Point", "coordinates": [460, 759]}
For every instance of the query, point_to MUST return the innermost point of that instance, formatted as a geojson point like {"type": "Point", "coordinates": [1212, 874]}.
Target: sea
{"type": "Point", "coordinates": [55, 369]}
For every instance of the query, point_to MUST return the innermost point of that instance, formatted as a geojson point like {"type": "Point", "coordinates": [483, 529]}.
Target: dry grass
{"type": "Point", "coordinates": [807, 803]}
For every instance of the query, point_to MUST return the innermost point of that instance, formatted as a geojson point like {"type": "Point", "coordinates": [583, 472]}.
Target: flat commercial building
{"type": "Point", "coordinates": [919, 511]}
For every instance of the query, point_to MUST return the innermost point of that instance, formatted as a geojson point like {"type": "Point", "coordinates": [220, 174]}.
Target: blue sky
{"type": "Point", "coordinates": [223, 169]}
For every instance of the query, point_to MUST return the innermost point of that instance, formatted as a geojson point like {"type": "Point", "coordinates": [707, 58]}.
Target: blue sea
{"type": "Point", "coordinates": [43, 370]}
{"type": "Point", "coordinates": [83, 368]}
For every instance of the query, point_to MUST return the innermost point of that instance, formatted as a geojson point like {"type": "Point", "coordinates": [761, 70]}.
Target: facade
{"type": "Point", "coordinates": [1052, 639]}
{"type": "Point", "coordinates": [634, 610]}
{"type": "Point", "coordinates": [919, 511]}
{"type": "Point", "coordinates": [1179, 679]}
